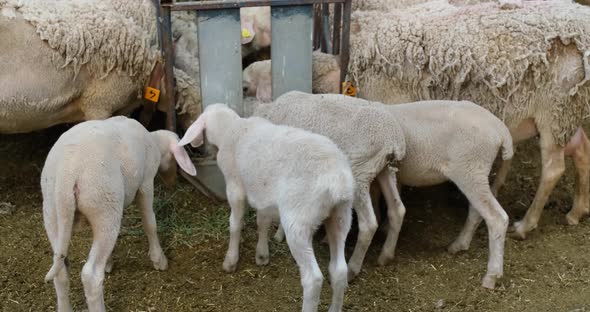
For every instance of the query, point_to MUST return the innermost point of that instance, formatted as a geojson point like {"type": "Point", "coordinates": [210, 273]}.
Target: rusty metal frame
{"type": "Point", "coordinates": [336, 43]}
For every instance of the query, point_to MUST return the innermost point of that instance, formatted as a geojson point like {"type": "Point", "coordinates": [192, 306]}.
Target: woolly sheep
{"type": "Point", "coordinates": [300, 176]}
{"type": "Point", "coordinates": [372, 141]}
{"type": "Point", "coordinates": [96, 169]}
{"type": "Point", "coordinates": [99, 55]}
{"type": "Point", "coordinates": [534, 79]}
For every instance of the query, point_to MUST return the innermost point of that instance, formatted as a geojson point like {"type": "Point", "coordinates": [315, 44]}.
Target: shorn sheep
{"type": "Point", "coordinates": [96, 169]}
{"type": "Point", "coordinates": [457, 141]}
{"type": "Point", "coordinates": [303, 178]}
{"type": "Point", "coordinates": [444, 140]}
{"type": "Point", "coordinates": [529, 66]}
{"type": "Point", "coordinates": [373, 143]}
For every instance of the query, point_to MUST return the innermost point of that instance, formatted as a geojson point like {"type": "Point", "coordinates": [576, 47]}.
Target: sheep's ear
{"type": "Point", "coordinates": [247, 30]}
{"type": "Point", "coordinates": [264, 90]}
{"type": "Point", "coordinates": [183, 160]}
{"type": "Point", "coordinates": [194, 133]}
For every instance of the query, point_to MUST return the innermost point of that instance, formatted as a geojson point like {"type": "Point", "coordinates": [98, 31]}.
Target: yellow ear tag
{"type": "Point", "coordinates": [246, 33]}
{"type": "Point", "coordinates": [152, 94]}
{"type": "Point", "coordinates": [348, 89]}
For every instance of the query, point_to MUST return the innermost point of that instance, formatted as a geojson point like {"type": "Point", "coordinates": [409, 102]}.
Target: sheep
{"type": "Point", "coordinates": [99, 55]}
{"type": "Point", "coordinates": [256, 32]}
{"type": "Point", "coordinates": [528, 66]}
{"type": "Point", "coordinates": [96, 169]}
{"type": "Point", "coordinates": [371, 147]}
{"type": "Point", "coordinates": [300, 176]}
{"type": "Point", "coordinates": [325, 78]}
{"type": "Point", "coordinates": [444, 140]}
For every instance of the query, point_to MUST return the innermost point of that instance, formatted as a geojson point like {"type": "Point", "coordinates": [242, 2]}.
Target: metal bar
{"type": "Point", "coordinates": [235, 4]}
{"type": "Point", "coordinates": [345, 53]}
{"type": "Point", "coordinates": [168, 55]}
{"type": "Point", "coordinates": [317, 33]}
{"type": "Point", "coordinates": [326, 42]}
{"type": "Point", "coordinates": [337, 27]}
{"type": "Point", "coordinates": [291, 49]}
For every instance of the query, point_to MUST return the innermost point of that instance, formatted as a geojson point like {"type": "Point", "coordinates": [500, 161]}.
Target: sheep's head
{"type": "Point", "coordinates": [216, 119]}
{"type": "Point", "coordinates": [256, 80]}
{"type": "Point", "coordinates": [170, 154]}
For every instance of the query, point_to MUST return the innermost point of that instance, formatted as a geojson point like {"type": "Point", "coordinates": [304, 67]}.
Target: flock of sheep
{"type": "Point", "coordinates": [445, 87]}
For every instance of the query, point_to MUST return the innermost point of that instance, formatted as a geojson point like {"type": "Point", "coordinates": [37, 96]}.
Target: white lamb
{"type": "Point", "coordinates": [372, 140]}
{"type": "Point", "coordinates": [301, 176]}
{"type": "Point", "coordinates": [97, 168]}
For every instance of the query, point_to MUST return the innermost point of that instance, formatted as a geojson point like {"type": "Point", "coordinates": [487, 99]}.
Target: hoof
{"type": "Point", "coordinates": [489, 282]}
{"type": "Point", "coordinates": [279, 236]}
{"type": "Point", "coordinates": [352, 274]}
{"type": "Point", "coordinates": [262, 259]}
{"type": "Point", "coordinates": [230, 267]}
{"type": "Point", "coordinates": [109, 266]}
{"type": "Point", "coordinates": [456, 247]}
{"type": "Point", "coordinates": [384, 260]}
{"type": "Point", "coordinates": [162, 264]}
{"type": "Point", "coordinates": [571, 220]}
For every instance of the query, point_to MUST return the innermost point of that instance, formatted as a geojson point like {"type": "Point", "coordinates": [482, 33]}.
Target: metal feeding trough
{"type": "Point", "coordinates": [297, 27]}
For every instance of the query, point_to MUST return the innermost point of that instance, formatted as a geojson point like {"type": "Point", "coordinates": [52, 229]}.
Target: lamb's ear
{"type": "Point", "coordinates": [247, 30]}
{"type": "Point", "coordinates": [183, 160]}
{"type": "Point", "coordinates": [264, 90]}
{"type": "Point", "coordinates": [194, 133]}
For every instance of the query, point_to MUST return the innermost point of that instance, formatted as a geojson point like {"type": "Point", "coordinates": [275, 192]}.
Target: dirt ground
{"type": "Point", "coordinates": [550, 271]}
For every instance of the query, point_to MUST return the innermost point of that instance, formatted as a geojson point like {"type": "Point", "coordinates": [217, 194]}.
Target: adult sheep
{"type": "Point", "coordinates": [529, 66]}
{"type": "Point", "coordinates": [76, 60]}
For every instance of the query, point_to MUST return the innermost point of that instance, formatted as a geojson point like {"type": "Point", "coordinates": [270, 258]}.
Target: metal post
{"type": "Point", "coordinates": [165, 36]}
{"type": "Point", "coordinates": [326, 42]}
{"type": "Point", "coordinates": [291, 49]}
{"type": "Point", "coordinates": [337, 27]}
{"type": "Point", "coordinates": [345, 53]}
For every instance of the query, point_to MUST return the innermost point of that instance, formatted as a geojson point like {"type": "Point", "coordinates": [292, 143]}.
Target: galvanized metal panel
{"type": "Point", "coordinates": [291, 48]}
{"type": "Point", "coordinates": [220, 58]}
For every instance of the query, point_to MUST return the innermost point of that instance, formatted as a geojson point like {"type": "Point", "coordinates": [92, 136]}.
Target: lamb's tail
{"type": "Point", "coordinates": [507, 145]}
{"type": "Point", "coordinates": [65, 207]}
{"type": "Point", "coordinates": [340, 185]}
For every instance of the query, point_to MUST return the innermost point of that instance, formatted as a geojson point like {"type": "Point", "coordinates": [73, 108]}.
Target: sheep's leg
{"type": "Point", "coordinates": [501, 175]}
{"type": "Point", "coordinates": [367, 227]}
{"type": "Point", "coordinates": [337, 227]}
{"type": "Point", "coordinates": [581, 157]}
{"type": "Point", "coordinates": [145, 200]}
{"type": "Point", "coordinates": [280, 234]}
{"type": "Point", "coordinates": [109, 266]}
{"type": "Point", "coordinates": [105, 230]}
{"type": "Point", "coordinates": [237, 201]}
{"type": "Point", "coordinates": [300, 244]}
{"type": "Point", "coordinates": [463, 241]}
{"type": "Point", "coordinates": [395, 212]}
{"type": "Point", "coordinates": [481, 198]}
{"type": "Point", "coordinates": [553, 167]}
{"type": "Point", "coordinates": [61, 282]}
{"type": "Point", "coordinates": [263, 221]}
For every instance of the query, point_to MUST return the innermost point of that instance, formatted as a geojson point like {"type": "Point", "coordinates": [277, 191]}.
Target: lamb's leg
{"type": "Point", "coordinates": [109, 266]}
{"type": "Point", "coordinates": [501, 175]}
{"type": "Point", "coordinates": [145, 200]}
{"type": "Point", "coordinates": [105, 230]}
{"type": "Point", "coordinates": [395, 212]}
{"type": "Point", "coordinates": [61, 282]}
{"type": "Point", "coordinates": [481, 198]}
{"type": "Point", "coordinates": [237, 201]}
{"type": "Point", "coordinates": [463, 241]}
{"type": "Point", "coordinates": [300, 243]}
{"type": "Point", "coordinates": [367, 227]}
{"type": "Point", "coordinates": [337, 227]}
{"type": "Point", "coordinates": [579, 149]}
{"type": "Point", "coordinates": [263, 221]}
{"type": "Point", "coordinates": [553, 167]}
{"type": "Point", "coordinates": [280, 234]}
